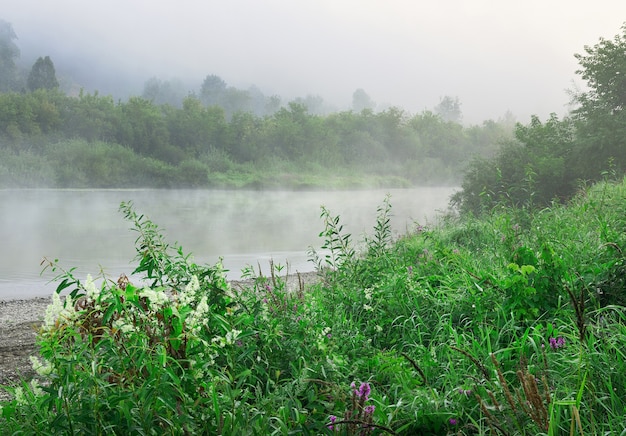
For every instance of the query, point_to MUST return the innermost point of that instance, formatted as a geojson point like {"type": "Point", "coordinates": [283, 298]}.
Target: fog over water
{"type": "Point", "coordinates": [84, 229]}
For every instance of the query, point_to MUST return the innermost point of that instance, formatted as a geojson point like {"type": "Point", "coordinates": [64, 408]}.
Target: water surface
{"type": "Point", "coordinates": [84, 228]}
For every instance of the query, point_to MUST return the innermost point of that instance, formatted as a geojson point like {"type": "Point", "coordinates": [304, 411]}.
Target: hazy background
{"type": "Point", "coordinates": [493, 55]}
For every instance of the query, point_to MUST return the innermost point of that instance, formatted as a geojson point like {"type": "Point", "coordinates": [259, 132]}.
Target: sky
{"type": "Point", "coordinates": [493, 55]}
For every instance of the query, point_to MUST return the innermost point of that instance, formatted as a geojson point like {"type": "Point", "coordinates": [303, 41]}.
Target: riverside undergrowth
{"type": "Point", "coordinates": [509, 324]}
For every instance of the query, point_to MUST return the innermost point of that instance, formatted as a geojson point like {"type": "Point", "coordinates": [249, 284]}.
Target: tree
{"type": "Point", "coordinates": [195, 128]}
{"type": "Point", "coordinates": [235, 100]}
{"type": "Point", "coordinates": [9, 52]}
{"type": "Point", "coordinates": [531, 171]}
{"type": "Point", "coordinates": [212, 90]}
{"type": "Point", "coordinates": [170, 92]}
{"type": "Point", "coordinates": [42, 75]}
{"type": "Point", "coordinates": [314, 104]}
{"type": "Point", "coordinates": [272, 104]}
{"type": "Point", "coordinates": [449, 109]}
{"type": "Point", "coordinates": [361, 101]}
{"type": "Point", "coordinates": [601, 115]}
{"type": "Point", "coordinates": [604, 68]}
{"type": "Point", "coordinates": [143, 129]}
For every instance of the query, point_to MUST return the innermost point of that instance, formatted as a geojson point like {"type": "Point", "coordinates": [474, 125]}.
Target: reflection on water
{"type": "Point", "coordinates": [84, 229]}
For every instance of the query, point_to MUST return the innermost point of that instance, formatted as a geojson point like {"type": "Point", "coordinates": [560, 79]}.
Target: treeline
{"type": "Point", "coordinates": [53, 135]}
{"type": "Point", "coordinates": [550, 160]}
{"type": "Point", "coordinates": [72, 140]}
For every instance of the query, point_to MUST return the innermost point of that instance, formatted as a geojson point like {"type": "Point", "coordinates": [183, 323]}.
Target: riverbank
{"type": "Point", "coordinates": [20, 319]}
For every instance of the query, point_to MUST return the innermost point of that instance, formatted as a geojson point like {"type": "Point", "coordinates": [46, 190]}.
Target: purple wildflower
{"type": "Point", "coordinates": [364, 391]}
{"type": "Point", "coordinates": [332, 419]}
{"type": "Point", "coordinates": [556, 343]}
{"type": "Point", "coordinates": [369, 410]}
{"type": "Point", "coordinates": [453, 421]}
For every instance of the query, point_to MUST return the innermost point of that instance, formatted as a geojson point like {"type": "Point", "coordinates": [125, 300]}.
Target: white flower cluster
{"type": "Point", "coordinates": [221, 281]}
{"type": "Point", "coordinates": [157, 298]}
{"type": "Point", "coordinates": [229, 339]}
{"type": "Point", "coordinates": [204, 360]}
{"type": "Point", "coordinates": [90, 289]}
{"type": "Point", "coordinates": [20, 396]}
{"type": "Point", "coordinates": [232, 336]}
{"type": "Point", "coordinates": [188, 296]}
{"type": "Point", "coordinates": [368, 297]}
{"type": "Point", "coordinates": [122, 325]}
{"type": "Point", "coordinates": [368, 294]}
{"type": "Point", "coordinates": [323, 335]}
{"type": "Point", "coordinates": [198, 318]}
{"type": "Point", "coordinates": [61, 312]}
{"type": "Point", "coordinates": [35, 388]}
{"type": "Point", "coordinates": [42, 368]}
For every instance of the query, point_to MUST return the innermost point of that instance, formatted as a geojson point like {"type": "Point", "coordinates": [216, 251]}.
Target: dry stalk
{"type": "Point", "coordinates": [505, 386]}
{"type": "Point", "coordinates": [417, 368]}
{"type": "Point", "coordinates": [492, 421]}
{"type": "Point", "coordinates": [534, 404]}
{"type": "Point", "coordinates": [475, 361]}
{"type": "Point", "coordinates": [579, 308]}
{"type": "Point", "coordinates": [493, 399]}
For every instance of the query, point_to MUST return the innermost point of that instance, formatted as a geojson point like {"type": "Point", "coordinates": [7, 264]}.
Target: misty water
{"type": "Point", "coordinates": [84, 228]}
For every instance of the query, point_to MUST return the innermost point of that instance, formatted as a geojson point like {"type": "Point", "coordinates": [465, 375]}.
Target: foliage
{"type": "Point", "coordinates": [391, 145]}
{"type": "Point", "coordinates": [530, 172]}
{"type": "Point", "coordinates": [9, 52]}
{"type": "Point", "coordinates": [600, 111]}
{"type": "Point", "coordinates": [449, 109]}
{"type": "Point", "coordinates": [243, 127]}
{"type": "Point", "coordinates": [549, 160]}
{"type": "Point", "coordinates": [509, 324]}
{"type": "Point", "coordinates": [42, 75]}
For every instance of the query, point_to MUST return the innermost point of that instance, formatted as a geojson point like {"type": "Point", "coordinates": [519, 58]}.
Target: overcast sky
{"type": "Point", "coordinates": [494, 55]}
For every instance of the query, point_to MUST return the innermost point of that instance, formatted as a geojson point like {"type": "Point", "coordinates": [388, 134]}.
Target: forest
{"type": "Point", "coordinates": [219, 136]}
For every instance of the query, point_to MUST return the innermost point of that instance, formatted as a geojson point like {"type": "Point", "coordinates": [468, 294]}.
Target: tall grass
{"type": "Point", "coordinates": [511, 324]}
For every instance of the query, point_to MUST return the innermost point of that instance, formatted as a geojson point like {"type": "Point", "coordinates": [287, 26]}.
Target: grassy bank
{"type": "Point", "coordinates": [100, 165]}
{"type": "Point", "coordinates": [509, 324]}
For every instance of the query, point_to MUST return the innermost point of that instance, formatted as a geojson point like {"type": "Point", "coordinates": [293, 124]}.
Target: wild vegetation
{"type": "Point", "coordinates": [509, 324]}
{"type": "Point", "coordinates": [220, 136]}
{"type": "Point", "coordinates": [49, 139]}
{"type": "Point", "coordinates": [550, 160]}
{"type": "Point", "coordinates": [508, 318]}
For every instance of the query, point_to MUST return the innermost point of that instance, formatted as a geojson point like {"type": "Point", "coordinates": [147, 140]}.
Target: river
{"type": "Point", "coordinates": [84, 228]}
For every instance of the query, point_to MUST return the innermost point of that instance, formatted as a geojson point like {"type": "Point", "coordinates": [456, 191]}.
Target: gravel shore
{"type": "Point", "coordinates": [20, 319]}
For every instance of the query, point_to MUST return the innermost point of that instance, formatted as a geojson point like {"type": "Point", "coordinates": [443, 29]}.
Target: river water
{"type": "Point", "coordinates": [84, 228]}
